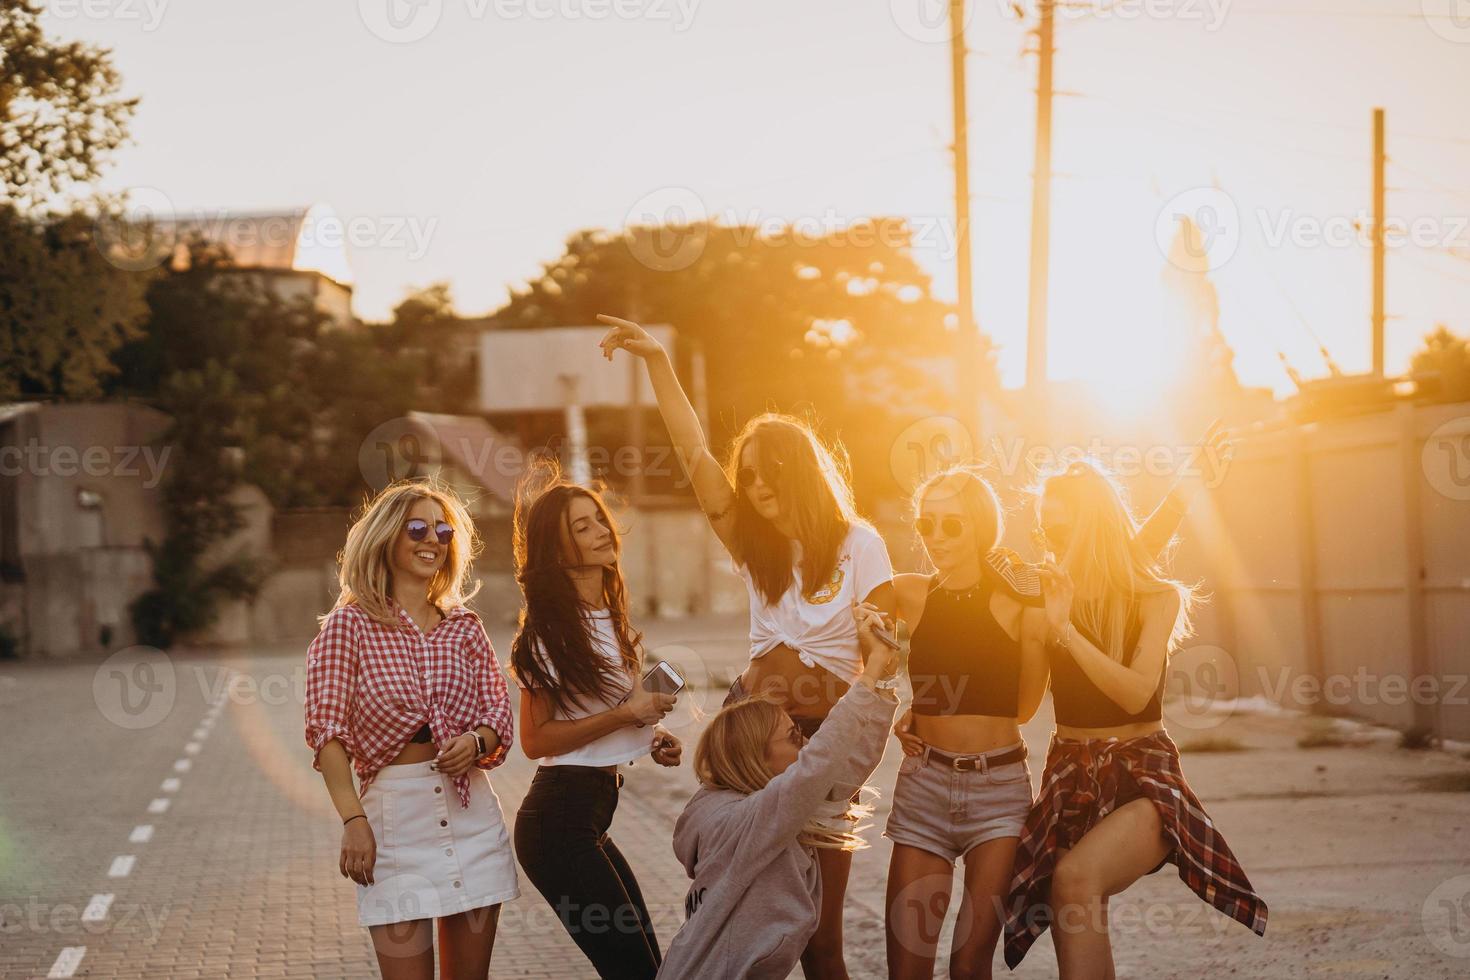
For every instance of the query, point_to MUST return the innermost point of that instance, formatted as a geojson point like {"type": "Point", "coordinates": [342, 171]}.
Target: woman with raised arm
{"type": "Point", "coordinates": [806, 558]}
{"type": "Point", "coordinates": [1114, 804]}
{"type": "Point", "coordinates": [750, 837]}
{"type": "Point", "coordinates": [578, 661]}
{"type": "Point", "coordinates": [402, 685]}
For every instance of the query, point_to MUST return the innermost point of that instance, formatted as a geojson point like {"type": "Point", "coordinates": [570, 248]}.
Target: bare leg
{"type": "Point", "coordinates": [1123, 847]}
{"type": "Point", "coordinates": [466, 941]}
{"type": "Point", "coordinates": [918, 897]}
{"type": "Point", "coordinates": [405, 949]}
{"type": "Point", "coordinates": [987, 881]}
{"type": "Point", "coordinates": [822, 959]}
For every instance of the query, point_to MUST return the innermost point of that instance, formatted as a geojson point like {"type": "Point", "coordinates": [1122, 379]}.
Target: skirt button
{"type": "Point", "coordinates": [444, 823]}
{"type": "Point", "coordinates": [438, 789]}
{"type": "Point", "coordinates": [456, 884]}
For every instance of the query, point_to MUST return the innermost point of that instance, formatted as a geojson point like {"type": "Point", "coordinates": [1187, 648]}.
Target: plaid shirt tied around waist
{"type": "Point", "coordinates": [1081, 786]}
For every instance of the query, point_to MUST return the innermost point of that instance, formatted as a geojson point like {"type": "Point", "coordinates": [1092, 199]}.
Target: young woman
{"type": "Point", "coordinates": [806, 558]}
{"type": "Point", "coordinates": [749, 837]}
{"type": "Point", "coordinates": [977, 668]}
{"type": "Point", "coordinates": [578, 662]}
{"type": "Point", "coordinates": [1114, 804]}
{"type": "Point", "coordinates": [402, 685]}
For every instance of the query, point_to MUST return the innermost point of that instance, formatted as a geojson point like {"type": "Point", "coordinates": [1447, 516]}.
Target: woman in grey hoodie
{"type": "Point", "coordinates": [749, 837]}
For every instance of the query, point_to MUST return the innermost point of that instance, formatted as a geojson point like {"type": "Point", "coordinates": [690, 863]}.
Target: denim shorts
{"type": "Point", "coordinates": [948, 812]}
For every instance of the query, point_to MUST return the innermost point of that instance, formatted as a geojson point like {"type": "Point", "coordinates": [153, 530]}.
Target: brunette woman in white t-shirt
{"type": "Point", "coordinates": [578, 662]}
{"type": "Point", "coordinates": [806, 557]}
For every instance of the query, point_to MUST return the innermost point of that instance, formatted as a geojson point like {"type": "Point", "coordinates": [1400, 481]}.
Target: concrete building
{"type": "Point", "coordinates": [79, 495]}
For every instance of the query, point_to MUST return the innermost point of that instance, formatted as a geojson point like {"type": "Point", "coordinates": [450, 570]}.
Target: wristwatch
{"type": "Point", "coordinates": [480, 747]}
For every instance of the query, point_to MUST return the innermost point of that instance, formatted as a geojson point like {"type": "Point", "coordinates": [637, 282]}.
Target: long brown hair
{"type": "Point", "coordinates": [554, 622]}
{"type": "Point", "coordinates": [365, 576]}
{"type": "Point", "coordinates": [814, 490]}
{"type": "Point", "coordinates": [731, 754]}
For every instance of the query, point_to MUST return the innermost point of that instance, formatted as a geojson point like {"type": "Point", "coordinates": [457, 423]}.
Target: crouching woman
{"type": "Point", "coordinates": [768, 801]}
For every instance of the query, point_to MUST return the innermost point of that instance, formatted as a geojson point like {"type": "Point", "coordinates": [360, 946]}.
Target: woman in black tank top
{"type": "Point", "coordinates": [977, 669]}
{"type": "Point", "coordinates": [1114, 804]}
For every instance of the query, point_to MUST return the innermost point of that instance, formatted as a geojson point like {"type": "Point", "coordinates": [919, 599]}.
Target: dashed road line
{"type": "Point", "coordinates": [122, 866]}
{"type": "Point", "coordinates": [67, 961]}
{"type": "Point", "coordinates": [142, 834]}
{"type": "Point", "coordinates": [96, 910]}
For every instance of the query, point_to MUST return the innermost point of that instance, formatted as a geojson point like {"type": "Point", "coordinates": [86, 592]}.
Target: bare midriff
{"type": "Point", "coordinates": [805, 692]}
{"type": "Point", "coordinates": [966, 734]}
{"type": "Point", "coordinates": [1116, 731]}
{"type": "Point", "coordinates": [415, 752]}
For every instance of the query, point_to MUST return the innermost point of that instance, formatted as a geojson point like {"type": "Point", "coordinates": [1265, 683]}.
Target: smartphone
{"type": "Point", "coordinates": [662, 678]}
{"type": "Point", "coordinates": [888, 641]}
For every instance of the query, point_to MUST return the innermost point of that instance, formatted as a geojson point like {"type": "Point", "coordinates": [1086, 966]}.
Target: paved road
{"type": "Point", "coordinates": [185, 835]}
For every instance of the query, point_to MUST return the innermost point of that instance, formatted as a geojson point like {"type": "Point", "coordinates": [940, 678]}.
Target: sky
{"type": "Point", "coordinates": [466, 139]}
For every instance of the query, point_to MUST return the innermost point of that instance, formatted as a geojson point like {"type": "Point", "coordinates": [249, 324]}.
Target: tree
{"type": "Point", "coordinates": [1443, 364]}
{"type": "Point", "coordinates": [60, 112]}
{"type": "Point", "coordinates": [839, 327]}
{"type": "Point", "coordinates": [63, 308]}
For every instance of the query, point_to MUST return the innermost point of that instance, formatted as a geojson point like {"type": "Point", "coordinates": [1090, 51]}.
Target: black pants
{"type": "Point", "coordinates": [562, 843]}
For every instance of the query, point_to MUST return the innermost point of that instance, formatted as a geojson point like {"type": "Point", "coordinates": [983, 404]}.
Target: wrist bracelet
{"type": "Point", "coordinates": [354, 817]}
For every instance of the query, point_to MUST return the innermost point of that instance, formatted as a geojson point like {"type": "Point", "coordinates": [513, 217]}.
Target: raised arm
{"type": "Point", "coordinates": [1205, 468]}
{"type": "Point", "coordinates": [838, 759]}
{"type": "Point", "coordinates": [711, 487]}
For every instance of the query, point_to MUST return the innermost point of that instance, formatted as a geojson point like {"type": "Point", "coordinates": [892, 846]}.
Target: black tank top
{"type": "Point", "coordinates": [961, 661]}
{"type": "Point", "coordinates": [1078, 701]}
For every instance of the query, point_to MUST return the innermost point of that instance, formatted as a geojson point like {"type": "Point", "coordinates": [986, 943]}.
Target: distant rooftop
{"type": "Point", "coordinates": [304, 239]}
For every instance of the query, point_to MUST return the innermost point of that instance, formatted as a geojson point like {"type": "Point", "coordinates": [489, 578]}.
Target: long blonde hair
{"type": "Point", "coordinates": [978, 500]}
{"type": "Point", "coordinates": [1105, 558]}
{"type": "Point", "coordinates": [365, 575]}
{"type": "Point", "coordinates": [731, 755]}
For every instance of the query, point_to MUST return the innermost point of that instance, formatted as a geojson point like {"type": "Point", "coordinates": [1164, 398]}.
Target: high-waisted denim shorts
{"type": "Point", "coordinates": [948, 812]}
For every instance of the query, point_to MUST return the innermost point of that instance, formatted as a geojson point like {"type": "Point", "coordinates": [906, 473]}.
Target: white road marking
{"type": "Point", "coordinates": [122, 866]}
{"type": "Point", "coordinates": [170, 785]}
{"type": "Point", "coordinates": [159, 805]}
{"type": "Point", "coordinates": [192, 748]}
{"type": "Point", "coordinates": [183, 765]}
{"type": "Point", "coordinates": [142, 834]}
{"type": "Point", "coordinates": [96, 910]}
{"type": "Point", "coordinates": [67, 961]}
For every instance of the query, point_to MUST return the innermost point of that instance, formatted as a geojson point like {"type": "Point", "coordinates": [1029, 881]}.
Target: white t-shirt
{"type": "Point", "coordinates": [615, 748]}
{"type": "Point", "coordinates": [820, 628]}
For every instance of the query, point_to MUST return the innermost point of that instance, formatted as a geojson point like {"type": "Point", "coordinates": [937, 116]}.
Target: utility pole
{"type": "Point", "coordinates": [1378, 250]}
{"type": "Point", "coordinates": [968, 348]}
{"type": "Point", "coordinates": [1040, 207]}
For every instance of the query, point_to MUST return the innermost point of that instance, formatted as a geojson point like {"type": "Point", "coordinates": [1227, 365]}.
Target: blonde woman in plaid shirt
{"type": "Point", "coordinates": [403, 687]}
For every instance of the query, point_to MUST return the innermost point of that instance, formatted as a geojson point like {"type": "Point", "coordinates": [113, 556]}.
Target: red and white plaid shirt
{"type": "Point", "coordinates": [372, 687]}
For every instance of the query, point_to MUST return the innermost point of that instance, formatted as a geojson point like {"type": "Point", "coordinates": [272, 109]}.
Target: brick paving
{"type": "Point", "coordinates": [1362, 851]}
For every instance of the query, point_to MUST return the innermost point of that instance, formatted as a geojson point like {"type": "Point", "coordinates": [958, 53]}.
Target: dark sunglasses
{"type": "Point", "coordinates": [952, 526]}
{"type": "Point", "coordinates": [417, 530]}
{"type": "Point", "coordinates": [745, 476]}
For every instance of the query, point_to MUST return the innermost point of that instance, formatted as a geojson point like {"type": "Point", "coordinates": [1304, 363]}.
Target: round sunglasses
{"type": "Point", "coordinates": [417, 530]}
{"type": "Point", "coordinates": [745, 476]}
{"type": "Point", "coordinates": [952, 526]}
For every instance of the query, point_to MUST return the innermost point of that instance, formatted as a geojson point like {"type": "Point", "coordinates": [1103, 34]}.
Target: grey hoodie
{"type": "Point", "coordinates": [753, 902]}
